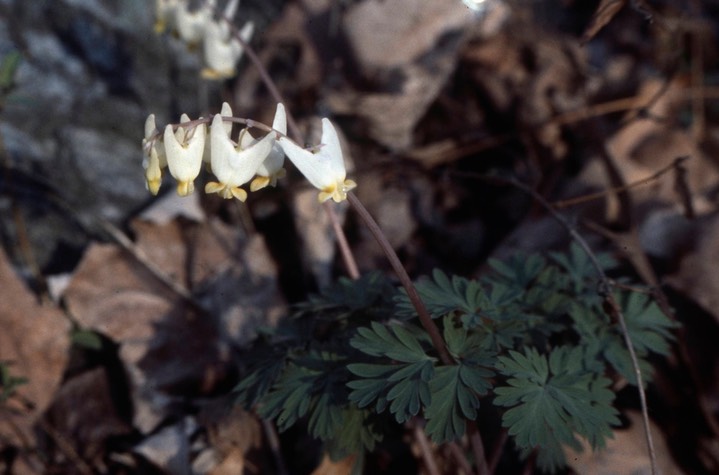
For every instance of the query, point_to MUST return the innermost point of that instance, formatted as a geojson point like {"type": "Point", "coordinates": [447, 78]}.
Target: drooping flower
{"type": "Point", "coordinates": [165, 14]}
{"type": "Point", "coordinates": [232, 164]}
{"type": "Point", "coordinates": [222, 51]}
{"type": "Point", "coordinates": [225, 111]}
{"type": "Point", "coordinates": [191, 24]}
{"type": "Point", "coordinates": [184, 149]}
{"type": "Point", "coordinates": [324, 167]}
{"type": "Point", "coordinates": [155, 159]}
{"type": "Point", "coordinates": [271, 169]}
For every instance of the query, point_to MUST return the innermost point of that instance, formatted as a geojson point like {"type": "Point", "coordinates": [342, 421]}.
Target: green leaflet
{"type": "Point", "coordinates": [551, 400]}
{"type": "Point", "coordinates": [404, 384]}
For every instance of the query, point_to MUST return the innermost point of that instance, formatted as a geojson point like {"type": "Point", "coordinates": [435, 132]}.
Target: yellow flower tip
{"type": "Point", "coordinates": [348, 185]}
{"type": "Point", "coordinates": [327, 193]}
{"type": "Point", "coordinates": [338, 192]}
{"type": "Point", "coordinates": [184, 188]}
{"type": "Point", "coordinates": [260, 182]}
{"type": "Point", "coordinates": [215, 75]}
{"type": "Point", "coordinates": [227, 192]}
{"type": "Point", "coordinates": [239, 193]}
{"type": "Point", "coordinates": [214, 187]}
{"type": "Point", "coordinates": [160, 26]}
{"type": "Point", "coordinates": [154, 186]}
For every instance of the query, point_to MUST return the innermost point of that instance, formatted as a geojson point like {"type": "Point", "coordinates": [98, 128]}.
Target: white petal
{"type": "Point", "coordinates": [231, 9]}
{"type": "Point", "coordinates": [191, 24]}
{"type": "Point", "coordinates": [235, 167]}
{"type": "Point", "coordinates": [332, 149]}
{"type": "Point", "coordinates": [150, 127]}
{"type": "Point", "coordinates": [221, 51]}
{"type": "Point", "coordinates": [226, 111]}
{"type": "Point", "coordinates": [314, 166]}
{"type": "Point", "coordinates": [185, 159]}
{"type": "Point", "coordinates": [280, 121]}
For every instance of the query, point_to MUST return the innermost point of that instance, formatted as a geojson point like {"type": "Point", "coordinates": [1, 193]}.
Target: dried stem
{"type": "Point", "coordinates": [475, 440]}
{"type": "Point", "coordinates": [345, 250]}
{"type": "Point", "coordinates": [609, 191]}
{"type": "Point", "coordinates": [426, 450]}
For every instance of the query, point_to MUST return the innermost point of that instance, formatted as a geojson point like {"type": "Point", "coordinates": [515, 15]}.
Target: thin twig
{"type": "Point", "coordinates": [601, 194]}
{"type": "Point", "coordinates": [459, 457]}
{"type": "Point", "coordinates": [498, 449]}
{"type": "Point", "coordinates": [274, 442]}
{"type": "Point", "coordinates": [475, 440]}
{"type": "Point", "coordinates": [345, 250]}
{"type": "Point", "coordinates": [126, 243]}
{"type": "Point", "coordinates": [426, 450]}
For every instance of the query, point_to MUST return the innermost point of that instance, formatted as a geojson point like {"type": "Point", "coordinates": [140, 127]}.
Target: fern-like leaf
{"type": "Point", "coordinates": [402, 384]}
{"type": "Point", "coordinates": [552, 400]}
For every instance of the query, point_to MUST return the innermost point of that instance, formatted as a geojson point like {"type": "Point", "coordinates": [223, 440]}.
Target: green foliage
{"type": "Point", "coordinates": [551, 400]}
{"type": "Point", "coordinates": [8, 382]}
{"type": "Point", "coordinates": [8, 68]}
{"type": "Point", "coordinates": [86, 339]}
{"type": "Point", "coordinates": [404, 384]}
{"type": "Point", "coordinates": [530, 340]}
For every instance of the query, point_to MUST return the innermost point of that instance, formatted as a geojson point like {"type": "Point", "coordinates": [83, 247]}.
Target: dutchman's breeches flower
{"type": "Point", "coordinates": [233, 165]}
{"type": "Point", "coordinates": [271, 169]}
{"type": "Point", "coordinates": [221, 50]}
{"type": "Point", "coordinates": [191, 25]}
{"type": "Point", "coordinates": [323, 168]}
{"type": "Point", "coordinates": [166, 14]}
{"type": "Point", "coordinates": [155, 159]}
{"type": "Point", "coordinates": [184, 149]}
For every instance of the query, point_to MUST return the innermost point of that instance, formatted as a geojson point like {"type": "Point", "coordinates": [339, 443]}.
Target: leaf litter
{"type": "Point", "coordinates": [454, 100]}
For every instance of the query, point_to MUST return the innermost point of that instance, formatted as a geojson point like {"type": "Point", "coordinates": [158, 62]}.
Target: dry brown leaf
{"type": "Point", "coordinates": [606, 10]}
{"type": "Point", "coordinates": [340, 467]}
{"type": "Point", "coordinates": [406, 76]}
{"type": "Point", "coordinates": [35, 341]}
{"type": "Point", "coordinates": [84, 416]}
{"type": "Point", "coordinates": [625, 454]}
{"type": "Point", "coordinates": [645, 145]}
{"type": "Point", "coordinates": [378, 31]}
{"type": "Point", "coordinates": [697, 276]}
{"type": "Point", "coordinates": [167, 345]}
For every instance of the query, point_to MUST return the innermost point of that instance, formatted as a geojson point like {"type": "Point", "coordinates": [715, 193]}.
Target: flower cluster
{"type": "Point", "coordinates": [183, 148]}
{"type": "Point", "coordinates": [221, 49]}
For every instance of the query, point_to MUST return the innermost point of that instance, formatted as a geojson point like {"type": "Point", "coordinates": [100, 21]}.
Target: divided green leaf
{"type": "Point", "coordinates": [552, 400]}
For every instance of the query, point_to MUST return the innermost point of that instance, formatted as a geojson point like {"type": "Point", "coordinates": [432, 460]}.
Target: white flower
{"type": "Point", "coordinates": [184, 149]}
{"type": "Point", "coordinates": [271, 169]}
{"type": "Point", "coordinates": [165, 14]}
{"type": "Point", "coordinates": [323, 168]}
{"type": "Point", "coordinates": [222, 51]}
{"type": "Point", "coordinates": [225, 111]}
{"type": "Point", "coordinates": [232, 164]}
{"type": "Point", "coordinates": [156, 159]}
{"type": "Point", "coordinates": [191, 25]}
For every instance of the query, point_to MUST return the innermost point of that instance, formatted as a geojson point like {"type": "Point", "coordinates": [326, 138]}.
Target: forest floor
{"type": "Point", "coordinates": [125, 361]}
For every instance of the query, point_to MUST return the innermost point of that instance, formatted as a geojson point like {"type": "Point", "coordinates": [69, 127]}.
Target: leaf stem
{"type": "Point", "coordinates": [424, 316]}
{"type": "Point", "coordinates": [425, 319]}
